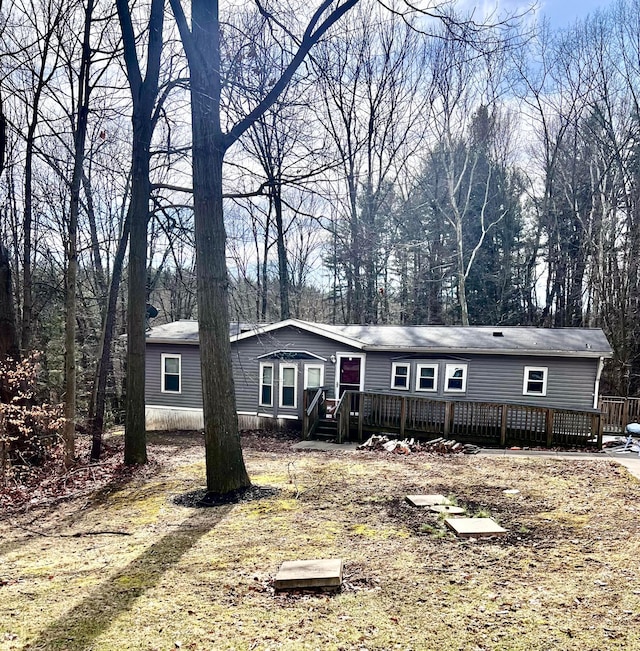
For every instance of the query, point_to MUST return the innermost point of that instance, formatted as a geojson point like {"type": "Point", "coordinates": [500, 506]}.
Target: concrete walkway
{"type": "Point", "coordinates": [631, 460]}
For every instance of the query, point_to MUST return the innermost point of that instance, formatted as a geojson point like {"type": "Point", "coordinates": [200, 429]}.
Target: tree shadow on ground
{"type": "Point", "coordinates": [37, 521]}
{"type": "Point", "coordinates": [76, 630]}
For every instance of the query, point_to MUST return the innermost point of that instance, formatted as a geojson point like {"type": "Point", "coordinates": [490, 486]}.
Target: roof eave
{"type": "Point", "coordinates": [170, 340]}
{"type": "Point", "coordinates": [490, 351]}
{"type": "Point", "coordinates": [302, 325]}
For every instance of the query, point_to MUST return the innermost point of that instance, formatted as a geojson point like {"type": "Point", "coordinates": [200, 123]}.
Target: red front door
{"type": "Point", "coordinates": [350, 374]}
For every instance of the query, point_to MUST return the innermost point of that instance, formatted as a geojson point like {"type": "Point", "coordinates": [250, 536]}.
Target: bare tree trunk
{"type": "Point", "coordinates": [226, 471]}
{"type": "Point", "coordinates": [283, 266]}
{"type": "Point", "coordinates": [99, 394]}
{"type": "Point", "coordinates": [9, 346]}
{"type": "Point", "coordinates": [8, 334]}
{"type": "Point", "coordinates": [72, 252]}
{"type": "Point", "coordinates": [144, 93]}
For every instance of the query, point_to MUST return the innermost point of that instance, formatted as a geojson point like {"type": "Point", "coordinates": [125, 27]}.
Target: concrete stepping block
{"type": "Point", "coordinates": [475, 527]}
{"type": "Point", "coordinates": [322, 573]}
{"type": "Point", "coordinates": [446, 508]}
{"type": "Point", "coordinates": [426, 500]}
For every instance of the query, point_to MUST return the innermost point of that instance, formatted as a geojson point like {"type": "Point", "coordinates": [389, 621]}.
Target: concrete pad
{"type": "Point", "coordinates": [475, 527]}
{"type": "Point", "coordinates": [322, 573]}
{"type": "Point", "coordinates": [446, 508]}
{"type": "Point", "coordinates": [426, 500]}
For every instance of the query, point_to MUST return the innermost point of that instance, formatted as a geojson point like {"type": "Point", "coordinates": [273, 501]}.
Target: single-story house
{"type": "Point", "coordinates": [274, 363]}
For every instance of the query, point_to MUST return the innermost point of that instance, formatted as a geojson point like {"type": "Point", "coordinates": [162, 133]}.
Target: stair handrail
{"type": "Point", "coordinates": [311, 414]}
{"type": "Point", "coordinates": [314, 402]}
{"type": "Point", "coordinates": [341, 426]}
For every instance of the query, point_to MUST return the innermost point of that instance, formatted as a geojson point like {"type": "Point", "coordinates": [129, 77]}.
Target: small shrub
{"type": "Point", "coordinates": [29, 429]}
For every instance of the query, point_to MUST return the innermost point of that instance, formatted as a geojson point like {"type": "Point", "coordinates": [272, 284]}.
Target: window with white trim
{"type": "Point", "coordinates": [400, 375]}
{"type": "Point", "coordinates": [288, 385]}
{"type": "Point", "coordinates": [313, 376]}
{"type": "Point", "coordinates": [171, 366]}
{"type": "Point", "coordinates": [426, 377]}
{"type": "Point", "coordinates": [535, 381]}
{"type": "Point", "coordinates": [266, 385]}
{"type": "Point", "coordinates": [455, 378]}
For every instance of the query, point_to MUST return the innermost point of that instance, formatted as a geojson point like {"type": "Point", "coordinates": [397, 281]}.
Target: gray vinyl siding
{"type": "Point", "coordinates": [246, 366]}
{"type": "Point", "coordinates": [491, 378]}
{"type": "Point", "coordinates": [494, 378]}
{"type": "Point", "coordinates": [190, 395]}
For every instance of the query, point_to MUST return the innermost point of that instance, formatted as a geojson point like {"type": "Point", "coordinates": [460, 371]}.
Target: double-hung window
{"type": "Point", "coordinates": [426, 377]}
{"type": "Point", "coordinates": [400, 375]}
{"type": "Point", "coordinates": [288, 385]}
{"type": "Point", "coordinates": [266, 385]}
{"type": "Point", "coordinates": [455, 378]}
{"type": "Point", "coordinates": [535, 381]}
{"type": "Point", "coordinates": [171, 366]}
{"type": "Point", "coordinates": [313, 376]}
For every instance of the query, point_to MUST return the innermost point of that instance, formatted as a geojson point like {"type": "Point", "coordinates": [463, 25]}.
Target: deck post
{"type": "Point", "coordinates": [625, 416]}
{"type": "Point", "coordinates": [597, 423]}
{"type": "Point", "coordinates": [305, 416]}
{"type": "Point", "coordinates": [448, 419]}
{"type": "Point", "coordinates": [503, 425]}
{"type": "Point", "coordinates": [360, 414]}
{"type": "Point", "coordinates": [549, 423]}
{"type": "Point", "coordinates": [403, 415]}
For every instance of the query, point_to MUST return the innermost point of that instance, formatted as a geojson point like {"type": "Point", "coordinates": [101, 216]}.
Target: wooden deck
{"type": "Point", "coordinates": [618, 412]}
{"type": "Point", "coordinates": [495, 424]}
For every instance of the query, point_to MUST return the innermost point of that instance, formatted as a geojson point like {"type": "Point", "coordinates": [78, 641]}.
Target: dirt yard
{"type": "Point", "coordinates": [123, 562]}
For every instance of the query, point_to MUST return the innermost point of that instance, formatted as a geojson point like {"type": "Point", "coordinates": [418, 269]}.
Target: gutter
{"type": "Point", "coordinates": [596, 388]}
{"type": "Point", "coordinates": [493, 351]}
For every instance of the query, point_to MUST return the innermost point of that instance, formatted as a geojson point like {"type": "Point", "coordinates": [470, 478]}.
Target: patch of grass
{"type": "Point", "coordinates": [203, 577]}
{"type": "Point", "coordinates": [434, 531]}
{"type": "Point", "coordinates": [565, 518]}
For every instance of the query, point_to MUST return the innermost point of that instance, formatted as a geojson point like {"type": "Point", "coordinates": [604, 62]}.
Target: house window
{"type": "Point", "coordinates": [427, 377]}
{"type": "Point", "coordinates": [288, 385]}
{"type": "Point", "coordinates": [266, 385]}
{"type": "Point", "coordinates": [313, 376]}
{"type": "Point", "coordinates": [400, 375]}
{"type": "Point", "coordinates": [171, 373]}
{"type": "Point", "coordinates": [455, 378]}
{"type": "Point", "coordinates": [535, 381]}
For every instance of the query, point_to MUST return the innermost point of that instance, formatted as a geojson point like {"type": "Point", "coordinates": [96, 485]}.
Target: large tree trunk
{"type": "Point", "coordinates": [226, 471]}
{"type": "Point", "coordinates": [135, 439]}
{"type": "Point", "coordinates": [144, 93]}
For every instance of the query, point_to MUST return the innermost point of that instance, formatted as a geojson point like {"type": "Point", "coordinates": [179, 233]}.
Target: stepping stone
{"type": "Point", "coordinates": [426, 500]}
{"type": "Point", "coordinates": [475, 527]}
{"type": "Point", "coordinates": [447, 508]}
{"type": "Point", "coordinates": [323, 573]}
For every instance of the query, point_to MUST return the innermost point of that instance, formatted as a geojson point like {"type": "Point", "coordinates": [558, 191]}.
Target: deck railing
{"type": "Point", "coordinates": [480, 422]}
{"type": "Point", "coordinates": [312, 408]}
{"type": "Point", "coordinates": [618, 412]}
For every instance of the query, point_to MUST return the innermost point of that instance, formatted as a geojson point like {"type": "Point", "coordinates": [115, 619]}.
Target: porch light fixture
{"type": "Point", "coordinates": [333, 359]}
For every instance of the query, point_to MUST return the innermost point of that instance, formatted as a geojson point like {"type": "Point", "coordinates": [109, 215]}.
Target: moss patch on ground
{"type": "Point", "coordinates": [130, 568]}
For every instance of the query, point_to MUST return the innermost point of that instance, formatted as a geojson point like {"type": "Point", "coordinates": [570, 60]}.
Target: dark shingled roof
{"type": "Point", "coordinates": [582, 342]}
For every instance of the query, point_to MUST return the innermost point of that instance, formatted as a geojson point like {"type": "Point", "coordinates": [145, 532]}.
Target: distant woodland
{"type": "Point", "coordinates": [418, 168]}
